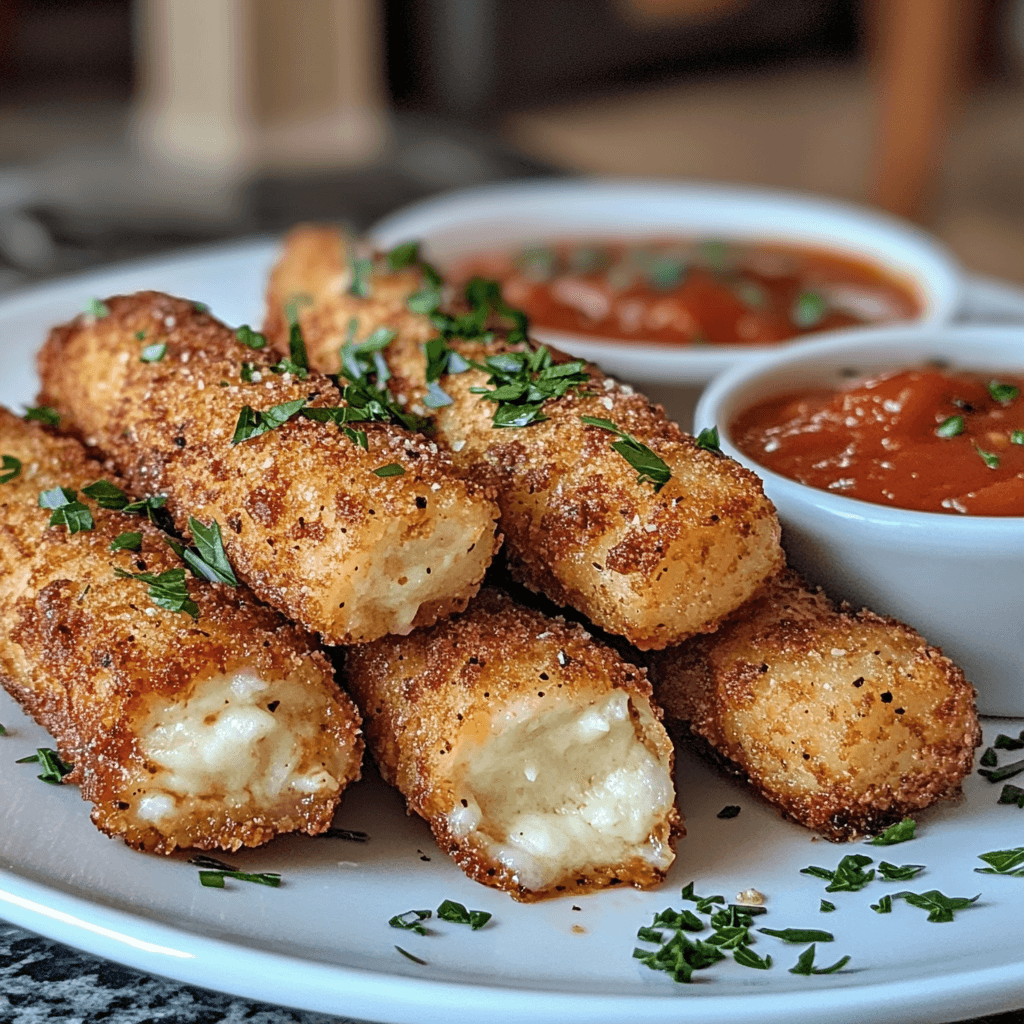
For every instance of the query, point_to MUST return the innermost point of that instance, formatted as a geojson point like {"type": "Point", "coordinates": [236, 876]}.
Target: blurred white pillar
{"type": "Point", "coordinates": [231, 87]}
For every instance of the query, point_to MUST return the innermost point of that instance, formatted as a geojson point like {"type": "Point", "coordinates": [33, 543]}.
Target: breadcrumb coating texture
{"type": "Point", "coordinates": [307, 522]}
{"type": "Point", "coordinates": [652, 566]}
{"type": "Point", "coordinates": [457, 713]}
{"type": "Point", "coordinates": [846, 721]}
{"type": "Point", "coordinates": [90, 656]}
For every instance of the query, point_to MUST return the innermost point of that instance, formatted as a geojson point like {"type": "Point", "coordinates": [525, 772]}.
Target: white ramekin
{"type": "Point", "coordinates": [959, 580]}
{"type": "Point", "coordinates": [458, 223]}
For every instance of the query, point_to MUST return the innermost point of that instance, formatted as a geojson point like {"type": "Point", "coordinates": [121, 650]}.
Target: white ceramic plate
{"type": "Point", "coordinates": [457, 224]}
{"type": "Point", "coordinates": [322, 942]}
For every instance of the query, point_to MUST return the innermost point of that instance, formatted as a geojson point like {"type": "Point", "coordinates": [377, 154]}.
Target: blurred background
{"type": "Point", "coordinates": [135, 126]}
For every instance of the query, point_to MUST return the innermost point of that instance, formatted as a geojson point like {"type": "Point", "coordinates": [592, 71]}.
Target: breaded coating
{"type": "Point", "coordinates": [218, 731]}
{"type": "Point", "coordinates": [846, 721]}
{"type": "Point", "coordinates": [534, 753]}
{"type": "Point", "coordinates": [307, 521]}
{"type": "Point", "coordinates": [654, 566]}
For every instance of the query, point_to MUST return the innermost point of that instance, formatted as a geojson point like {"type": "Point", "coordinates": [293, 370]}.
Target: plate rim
{"type": "Point", "coordinates": [395, 998]}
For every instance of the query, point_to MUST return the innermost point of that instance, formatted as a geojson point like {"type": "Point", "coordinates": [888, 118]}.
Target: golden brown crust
{"type": "Point", "coordinates": [431, 699]}
{"type": "Point", "coordinates": [86, 653]}
{"type": "Point", "coordinates": [847, 721]}
{"type": "Point", "coordinates": [301, 508]}
{"type": "Point", "coordinates": [654, 567]}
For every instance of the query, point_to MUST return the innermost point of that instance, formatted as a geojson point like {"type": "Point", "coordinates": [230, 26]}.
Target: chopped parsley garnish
{"type": "Point", "coordinates": [166, 590]}
{"type": "Point", "coordinates": [1012, 794]}
{"type": "Point", "coordinates": [901, 873]}
{"type": "Point", "coordinates": [989, 458]}
{"type": "Point", "coordinates": [43, 414]}
{"type": "Point", "coordinates": [297, 361]}
{"type": "Point", "coordinates": [362, 271]}
{"type": "Point", "coordinates": [253, 424]}
{"type": "Point", "coordinates": [1003, 393]}
{"type": "Point", "coordinates": [809, 310]}
{"type": "Point", "coordinates": [411, 921]}
{"type": "Point", "coordinates": [1004, 742]}
{"type": "Point", "coordinates": [407, 254]}
{"type": "Point", "coordinates": [109, 496]}
{"type": "Point", "coordinates": [97, 308]}
{"type": "Point", "coordinates": [940, 907]}
{"type": "Point", "coordinates": [391, 469]}
{"type": "Point", "coordinates": [67, 511]}
{"type": "Point", "coordinates": [1003, 862]}
{"type": "Point", "coordinates": [805, 964]}
{"type": "Point", "coordinates": [208, 560]}
{"type": "Point", "coordinates": [340, 415]}
{"type": "Point", "coordinates": [3, 731]}
{"type": "Point", "coordinates": [9, 469]}
{"type": "Point", "coordinates": [1017, 437]}
{"type": "Point", "coordinates": [200, 307]}
{"type": "Point", "coordinates": [826, 907]}
{"type": "Point", "coordinates": [951, 426]}
{"type": "Point", "coordinates": [409, 956]}
{"type": "Point", "coordinates": [524, 381]}
{"type": "Point", "coordinates": [248, 373]}
{"type": "Point", "coordinates": [1007, 771]}
{"type": "Point", "coordinates": [250, 338]}
{"type": "Point", "coordinates": [140, 335]}
{"type": "Point", "coordinates": [54, 769]}
{"type": "Point", "coordinates": [458, 914]}
{"type": "Point", "coordinates": [799, 934]}
{"type": "Point", "coordinates": [988, 759]}
{"type": "Point", "coordinates": [849, 875]}
{"type": "Point", "coordinates": [441, 359]}
{"type": "Point", "coordinates": [215, 879]}
{"type": "Point", "coordinates": [708, 440]}
{"type": "Point", "coordinates": [883, 906]}
{"type": "Point", "coordinates": [294, 304]}
{"type": "Point", "coordinates": [746, 957]}
{"type": "Point", "coordinates": [901, 832]}
{"type": "Point", "coordinates": [729, 811]}
{"type": "Point", "coordinates": [127, 541]}
{"type": "Point", "coordinates": [680, 956]}
{"type": "Point", "coordinates": [153, 353]}
{"type": "Point", "coordinates": [650, 468]}
{"type": "Point", "coordinates": [367, 374]}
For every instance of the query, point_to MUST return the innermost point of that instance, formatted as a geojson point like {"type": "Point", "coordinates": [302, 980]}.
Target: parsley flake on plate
{"type": "Point", "coordinates": [54, 769]}
{"type": "Point", "coordinates": [901, 832]}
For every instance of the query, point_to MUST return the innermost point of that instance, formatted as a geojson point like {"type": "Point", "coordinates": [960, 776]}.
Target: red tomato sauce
{"type": "Point", "coordinates": [692, 292]}
{"type": "Point", "coordinates": [923, 439]}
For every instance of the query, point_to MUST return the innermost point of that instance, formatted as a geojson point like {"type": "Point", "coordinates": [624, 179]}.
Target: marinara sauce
{"type": "Point", "coordinates": [688, 292]}
{"type": "Point", "coordinates": [923, 439]}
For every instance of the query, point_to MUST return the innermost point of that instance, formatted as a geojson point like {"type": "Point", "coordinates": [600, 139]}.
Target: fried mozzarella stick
{"type": "Point", "coordinates": [652, 561]}
{"type": "Point", "coordinates": [350, 541]}
{"type": "Point", "coordinates": [219, 725]}
{"type": "Point", "coordinates": [534, 753]}
{"type": "Point", "coordinates": [846, 721]}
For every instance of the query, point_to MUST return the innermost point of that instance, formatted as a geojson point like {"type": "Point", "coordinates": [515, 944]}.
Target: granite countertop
{"type": "Point", "coordinates": [43, 981]}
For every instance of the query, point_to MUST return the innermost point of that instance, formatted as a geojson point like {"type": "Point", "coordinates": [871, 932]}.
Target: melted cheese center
{"type": "Point", "coordinates": [565, 791]}
{"type": "Point", "coordinates": [247, 743]}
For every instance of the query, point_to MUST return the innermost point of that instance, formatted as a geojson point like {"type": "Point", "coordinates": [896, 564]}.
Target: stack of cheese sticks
{"type": "Point", "coordinates": [536, 753]}
{"type": "Point", "coordinates": [846, 722]}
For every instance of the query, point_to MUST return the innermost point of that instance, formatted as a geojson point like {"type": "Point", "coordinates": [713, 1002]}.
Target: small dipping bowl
{"type": "Point", "coordinates": [509, 215]}
{"type": "Point", "coordinates": [957, 579]}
